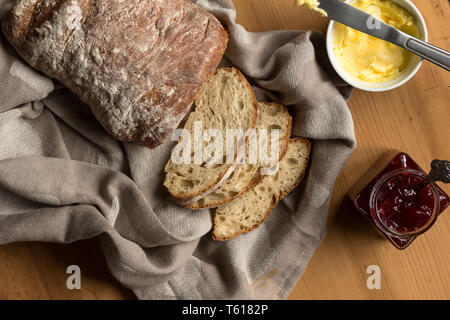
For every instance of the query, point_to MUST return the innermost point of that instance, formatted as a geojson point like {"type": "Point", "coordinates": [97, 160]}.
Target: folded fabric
{"type": "Point", "coordinates": [63, 178]}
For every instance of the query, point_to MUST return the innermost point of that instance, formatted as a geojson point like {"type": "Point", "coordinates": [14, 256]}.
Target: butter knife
{"type": "Point", "coordinates": [357, 19]}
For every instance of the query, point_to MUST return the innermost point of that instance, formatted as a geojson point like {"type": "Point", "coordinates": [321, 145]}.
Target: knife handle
{"type": "Point", "coordinates": [429, 52]}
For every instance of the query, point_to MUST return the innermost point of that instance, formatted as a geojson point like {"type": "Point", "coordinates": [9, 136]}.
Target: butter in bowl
{"type": "Point", "coordinates": [372, 64]}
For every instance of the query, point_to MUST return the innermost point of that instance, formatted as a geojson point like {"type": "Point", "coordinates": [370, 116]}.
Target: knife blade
{"type": "Point", "coordinates": [352, 17]}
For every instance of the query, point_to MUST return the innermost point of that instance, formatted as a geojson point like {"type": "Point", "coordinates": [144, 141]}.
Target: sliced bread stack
{"type": "Point", "coordinates": [246, 176]}
{"type": "Point", "coordinates": [243, 192]}
{"type": "Point", "coordinates": [226, 101]}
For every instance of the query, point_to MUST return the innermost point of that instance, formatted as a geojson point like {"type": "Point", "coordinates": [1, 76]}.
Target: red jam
{"type": "Point", "coordinates": [402, 207]}
{"type": "Point", "coordinates": [387, 196]}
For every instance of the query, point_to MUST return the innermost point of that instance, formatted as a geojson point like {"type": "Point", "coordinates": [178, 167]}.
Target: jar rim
{"type": "Point", "coordinates": [374, 197]}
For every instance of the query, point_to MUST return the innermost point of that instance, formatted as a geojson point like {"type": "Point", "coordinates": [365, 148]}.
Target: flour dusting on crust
{"type": "Point", "coordinates": [138, 64]}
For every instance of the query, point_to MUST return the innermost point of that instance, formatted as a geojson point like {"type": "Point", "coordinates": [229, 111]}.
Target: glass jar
{"type": "Point", "coordinates": [389, 197]}
{"type": "Point", "coordinates": [401, 209]}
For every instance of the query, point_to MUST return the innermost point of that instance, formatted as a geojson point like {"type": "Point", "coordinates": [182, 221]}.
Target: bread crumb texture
{"type": "Point", "coordinates": [251, 209]}
{"type": "Point", "coordinates": [226, 102]}
{"type": "Point", "coordinates": [272, 116]}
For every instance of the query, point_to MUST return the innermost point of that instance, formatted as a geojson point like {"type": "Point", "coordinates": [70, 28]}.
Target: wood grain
{"type": "Point", "coordinates": [413, 118]}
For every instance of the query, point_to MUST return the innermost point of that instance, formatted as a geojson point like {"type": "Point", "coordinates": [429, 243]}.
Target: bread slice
{"type": "Point", "coordinates": [246, 176]}
{"type": "Point", "coordinates": [226, 102]}
{"type": "Point", "coordinates": [251, 209]}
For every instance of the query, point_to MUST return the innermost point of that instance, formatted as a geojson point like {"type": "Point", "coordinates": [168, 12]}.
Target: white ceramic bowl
{"type": "Point", "coordinates": [403, 77]}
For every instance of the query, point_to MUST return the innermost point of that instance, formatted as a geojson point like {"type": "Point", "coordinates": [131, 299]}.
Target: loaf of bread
{"type": "Point", "coordinates": [246, 176]}
{"type": "Point", "coordinates": [226, 102]}
{"type": "Point", "coordinates": [251, 209]}
{"type": "Point", "coordinates": [138, 64]}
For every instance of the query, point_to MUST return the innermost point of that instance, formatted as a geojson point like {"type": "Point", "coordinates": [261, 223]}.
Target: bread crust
{"type": "Point", "coordinates": [138, 64]}
{"type": "Point", "coordinates": [269, 211]}
{"type": "Point", "coordinates": [183, 200]}
{"type": "Point", "coordinates": [256, 179]}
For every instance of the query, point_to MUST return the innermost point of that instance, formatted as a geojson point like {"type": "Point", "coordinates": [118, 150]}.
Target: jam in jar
{"type": "Point", "coordinates": [391, 197]}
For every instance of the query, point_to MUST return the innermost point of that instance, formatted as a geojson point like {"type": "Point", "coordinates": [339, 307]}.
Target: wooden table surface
{"type": "Point", "coordinates": [413, 118]}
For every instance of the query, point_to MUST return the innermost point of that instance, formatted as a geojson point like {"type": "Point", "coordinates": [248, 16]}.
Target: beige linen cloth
{"type": "Point", "coordinates": [63, 178]}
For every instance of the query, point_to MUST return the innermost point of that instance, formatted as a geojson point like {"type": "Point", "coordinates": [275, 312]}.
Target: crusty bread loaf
{"type": "Point", "coordinates": [246, 176]}
{"type": "Point", "coordinates": [138, 64]}
{"type": "Point", "coordinates": [251, 209]}
{"type": "Point", "coordinates": [226, 102]}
